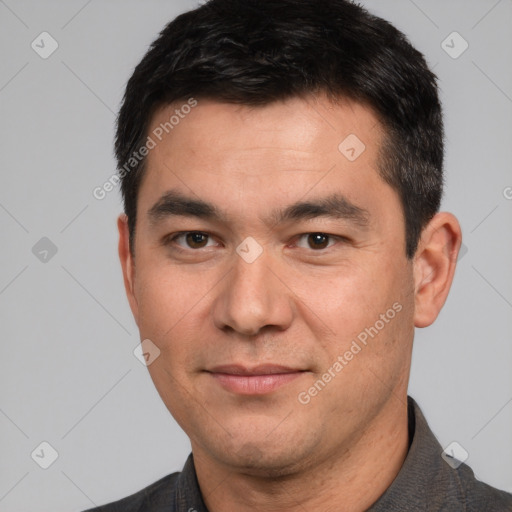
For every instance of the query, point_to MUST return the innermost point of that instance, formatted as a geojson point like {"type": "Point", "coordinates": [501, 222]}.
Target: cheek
{"type": "Point", "coordinates": [364, 303]}
{"type": "Point", "coordinates": [344, 297]}
{"type": "Point", "coordinates": [174, 312]}
{"type": "Point", "coordinates": [165, 297]}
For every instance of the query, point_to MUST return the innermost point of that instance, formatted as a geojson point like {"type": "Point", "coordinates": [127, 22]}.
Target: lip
{"type": "Point", "coordinates": [256, 380]}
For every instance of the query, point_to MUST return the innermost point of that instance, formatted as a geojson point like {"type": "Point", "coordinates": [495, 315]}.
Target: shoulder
{"type": "Point", "coordinates": [478, 496]}
{"type": "Point", "coordinates": [150, 499]}
{"type": "Point", "coordinates": [430, 481]}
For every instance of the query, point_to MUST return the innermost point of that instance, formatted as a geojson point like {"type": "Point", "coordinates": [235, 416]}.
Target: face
{"type": "Point", "coordinates": [270, 272]}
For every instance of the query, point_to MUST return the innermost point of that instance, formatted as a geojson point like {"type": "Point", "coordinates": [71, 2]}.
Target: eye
{"type": "Point", "coordinates": [317, 241]}
{"type": "Point", "coordinates": [193, 239]}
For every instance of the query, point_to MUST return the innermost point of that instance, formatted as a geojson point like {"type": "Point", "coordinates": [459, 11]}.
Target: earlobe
{"type": "Point", "coordinates": [127, 264]}
{"type": "Point", "coordinates": [434, 266]}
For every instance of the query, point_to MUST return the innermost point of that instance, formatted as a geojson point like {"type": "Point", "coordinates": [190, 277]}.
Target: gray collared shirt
{"type": "Point", "coordinates": [426, 483]}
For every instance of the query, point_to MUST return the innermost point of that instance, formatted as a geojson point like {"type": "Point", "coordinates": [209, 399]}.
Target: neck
{"type": "Point", "coordinates": [349, 479]}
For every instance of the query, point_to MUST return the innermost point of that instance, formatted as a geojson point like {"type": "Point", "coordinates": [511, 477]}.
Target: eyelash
{"type": "Point", "coordinates": [171, 239]}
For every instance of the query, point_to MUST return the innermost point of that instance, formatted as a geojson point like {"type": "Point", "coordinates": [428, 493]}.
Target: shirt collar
{"type": "Point", "coordinates": [424, 477]}
{"type": "Point", "coordinates": [188, 496]}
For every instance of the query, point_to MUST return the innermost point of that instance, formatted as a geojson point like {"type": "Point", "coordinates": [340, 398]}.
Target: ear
{"type": "Point", "coordinates": [127, 264]}
{"type": "Point", "coordinates": [434, 266]}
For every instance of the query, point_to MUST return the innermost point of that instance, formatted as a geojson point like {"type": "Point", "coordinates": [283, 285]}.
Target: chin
{"type": "Point", "coordinates": [266, 458]}
{"type": "Point", "coordinates": [254, 461]}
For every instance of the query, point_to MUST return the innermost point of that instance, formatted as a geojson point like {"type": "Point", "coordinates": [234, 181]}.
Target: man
{"type": "Point", "coordinates": [282, 169]}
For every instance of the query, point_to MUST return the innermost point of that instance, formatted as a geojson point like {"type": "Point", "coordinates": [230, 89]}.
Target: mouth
{"type": "Point", "coordinates": [257, 380]}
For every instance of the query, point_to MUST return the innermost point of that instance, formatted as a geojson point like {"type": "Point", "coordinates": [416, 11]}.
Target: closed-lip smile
{"type": "Point", "coordinates": [253, 380]}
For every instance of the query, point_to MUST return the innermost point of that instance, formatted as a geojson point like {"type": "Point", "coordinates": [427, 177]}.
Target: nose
{"type": "Point", "coordinates": [253, 297]}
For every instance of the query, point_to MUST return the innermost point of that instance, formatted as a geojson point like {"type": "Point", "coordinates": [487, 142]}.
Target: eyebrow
{"type": "Point", "coordinates": [336, 206]}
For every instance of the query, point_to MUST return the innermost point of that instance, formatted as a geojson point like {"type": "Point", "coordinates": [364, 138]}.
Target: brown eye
{"type": "Point", "coordinates": [196, 240]}
{"type": "Point", "coordinates": [318, 240]}
{"type": "Point", "coordinates": [189, 240]}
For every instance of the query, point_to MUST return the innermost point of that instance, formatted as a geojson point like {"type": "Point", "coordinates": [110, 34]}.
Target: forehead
{"type": "Point", "coordinates": [247, 159]}
{"type": "Point", "coordinates": [298, 128]}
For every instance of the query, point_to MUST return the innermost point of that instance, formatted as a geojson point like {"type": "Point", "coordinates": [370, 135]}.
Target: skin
{"type": "Point", "coordinates": [295, 305]}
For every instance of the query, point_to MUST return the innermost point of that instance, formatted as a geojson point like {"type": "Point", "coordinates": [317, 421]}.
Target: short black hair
{"type": "Point", "coordinates": [254, 52]}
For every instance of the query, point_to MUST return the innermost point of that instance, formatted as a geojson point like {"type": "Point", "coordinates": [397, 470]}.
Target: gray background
{"type": "Point", "coordinates": [68, 373]}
